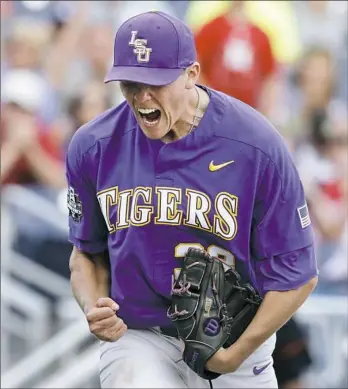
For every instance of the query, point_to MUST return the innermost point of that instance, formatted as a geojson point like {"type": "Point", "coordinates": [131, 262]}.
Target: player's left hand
{"type": "Point", "coordinates": [223, 361]}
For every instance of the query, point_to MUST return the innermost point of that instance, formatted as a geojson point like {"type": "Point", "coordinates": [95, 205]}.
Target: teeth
{"type": "Point", "coordinates": [145, 111]}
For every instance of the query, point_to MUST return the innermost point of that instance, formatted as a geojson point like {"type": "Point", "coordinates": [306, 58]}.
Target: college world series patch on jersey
{"type": "Point", "coordinates": [303, 214]}
{"type": "Point", "coordinates": [74, 205]}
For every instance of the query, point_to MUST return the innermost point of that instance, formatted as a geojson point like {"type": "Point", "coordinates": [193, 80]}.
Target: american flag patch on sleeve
{"type": "Point", "coordinates": [304, 216]}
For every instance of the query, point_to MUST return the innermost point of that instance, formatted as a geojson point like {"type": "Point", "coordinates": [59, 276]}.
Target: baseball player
{"type": "Point", "coordinates": [179, 165]}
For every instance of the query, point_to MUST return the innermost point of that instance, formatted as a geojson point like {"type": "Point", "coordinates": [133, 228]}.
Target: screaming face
{"type": "Point", "coordinates": [156, 108]}
{"type": "Point", "coordinates": [160, 110]}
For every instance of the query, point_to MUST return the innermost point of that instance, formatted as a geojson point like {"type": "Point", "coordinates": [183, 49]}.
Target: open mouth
{"type": "Point", "coordinates": [151, 116]}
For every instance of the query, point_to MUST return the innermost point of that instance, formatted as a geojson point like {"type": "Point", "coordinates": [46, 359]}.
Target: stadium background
{"type": "Point", "coordinates": [292, 60]}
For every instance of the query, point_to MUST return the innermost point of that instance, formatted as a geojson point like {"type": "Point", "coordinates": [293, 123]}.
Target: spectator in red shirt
{"type": "Point", "coordinates": [30, 152]}
{"type": "Point", "coordinates": [235, 55]}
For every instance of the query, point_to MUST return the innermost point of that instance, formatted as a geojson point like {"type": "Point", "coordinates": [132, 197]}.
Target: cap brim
{"type": "Point", "coordinates": [148, 76]}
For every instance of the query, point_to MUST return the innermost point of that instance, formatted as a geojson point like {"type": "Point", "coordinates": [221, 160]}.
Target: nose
{"type": "Point", "coordinates": [142, 94]}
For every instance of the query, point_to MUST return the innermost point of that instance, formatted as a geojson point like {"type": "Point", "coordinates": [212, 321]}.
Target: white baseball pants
{"type": "Point", "coordinates": [149, 359]}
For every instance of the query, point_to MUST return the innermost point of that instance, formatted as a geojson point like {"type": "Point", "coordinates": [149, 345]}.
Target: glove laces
{"type": "Point", "coordinates": [184, 288]}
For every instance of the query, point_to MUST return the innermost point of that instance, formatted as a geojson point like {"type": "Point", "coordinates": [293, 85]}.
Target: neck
{"type": "Point", "coordinates": [196, 105]}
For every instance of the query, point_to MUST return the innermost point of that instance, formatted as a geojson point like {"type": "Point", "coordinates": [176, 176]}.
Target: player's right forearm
{"type": "Point", "coordinates": [89, 277]}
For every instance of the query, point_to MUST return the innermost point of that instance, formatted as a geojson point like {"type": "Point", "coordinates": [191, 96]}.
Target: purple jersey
{"type": "Point", "coordinates": [229, 187]}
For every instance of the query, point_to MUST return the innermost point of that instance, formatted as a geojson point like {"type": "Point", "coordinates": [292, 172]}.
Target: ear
{"type": "Point", "coordinates": [192, 73]}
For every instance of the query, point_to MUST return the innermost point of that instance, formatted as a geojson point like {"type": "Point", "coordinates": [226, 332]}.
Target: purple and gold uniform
{"type": "Point", "coordinates": [229, 187]}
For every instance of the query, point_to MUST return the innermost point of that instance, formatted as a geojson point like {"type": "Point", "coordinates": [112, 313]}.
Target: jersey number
{"type": "Point", "coordinates": [214, 251]}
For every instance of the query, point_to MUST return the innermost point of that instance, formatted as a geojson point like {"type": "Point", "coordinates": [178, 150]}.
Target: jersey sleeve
{"type": "Point", "coordinates": [282, 235]}
{"type": "Point", "coordinates": [286, 271]}
{"type": "Point", "coordinates": [87, 229]}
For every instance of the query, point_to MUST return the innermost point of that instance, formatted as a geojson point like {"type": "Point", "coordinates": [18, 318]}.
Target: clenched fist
{"type": "Point", "coordinates": [103, 321]}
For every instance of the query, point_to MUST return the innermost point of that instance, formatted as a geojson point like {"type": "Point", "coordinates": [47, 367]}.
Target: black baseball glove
{"type": "Point", "coordinates": [210, 308]}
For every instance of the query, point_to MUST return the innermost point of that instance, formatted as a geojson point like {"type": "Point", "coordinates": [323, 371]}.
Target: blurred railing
{"type": "Point", "coordinates": [32, 296]}
{"type": "Point", "coordinates": [34, 274]}
{"type": "Point", "coordinates": [38, 206]}
{"type": "Point", "coordinates": [326, 318]}
{"type": "Point", "coordinates": [61, 347]}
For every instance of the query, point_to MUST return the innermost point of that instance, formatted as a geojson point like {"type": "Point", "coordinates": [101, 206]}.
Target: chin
{"type": "Point", "coordinates": [155, 132]}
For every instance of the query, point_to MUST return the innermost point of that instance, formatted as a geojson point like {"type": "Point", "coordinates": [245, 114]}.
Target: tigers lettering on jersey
{"type": "Point", "coordinates": [135, 207]}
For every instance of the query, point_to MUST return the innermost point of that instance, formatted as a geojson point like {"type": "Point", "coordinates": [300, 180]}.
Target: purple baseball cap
{"type": "Point", "coordinates": [152, 48]}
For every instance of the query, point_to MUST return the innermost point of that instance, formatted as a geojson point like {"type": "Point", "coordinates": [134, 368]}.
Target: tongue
{"type": "Point", "coordinates": [153, 116]}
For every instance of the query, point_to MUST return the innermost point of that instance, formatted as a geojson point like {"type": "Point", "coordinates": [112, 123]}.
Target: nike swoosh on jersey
{"type": "Point", "coordinates": [214, 168]}
{"type": "Point", "coordinates": [258, 371]}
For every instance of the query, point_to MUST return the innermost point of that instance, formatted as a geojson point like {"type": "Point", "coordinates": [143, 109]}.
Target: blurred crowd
{"type": "Point", "coordinates": [288, 59]}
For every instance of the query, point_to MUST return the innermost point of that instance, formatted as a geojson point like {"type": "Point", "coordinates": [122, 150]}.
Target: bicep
{"type": "Point", "coordinates": [80, 258]}
{"type": "Point", "coordinates": [287, 271]}
{"type": "Point", "coordinates": [96, 265]}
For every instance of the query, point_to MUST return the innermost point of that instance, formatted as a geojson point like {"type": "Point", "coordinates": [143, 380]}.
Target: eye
{"type": "Point", "coordinates": [135, 87]}
{"type": "Point", "coordinates": [156, 87]}
{"type": "Point", "coordinates": [128, 86]}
